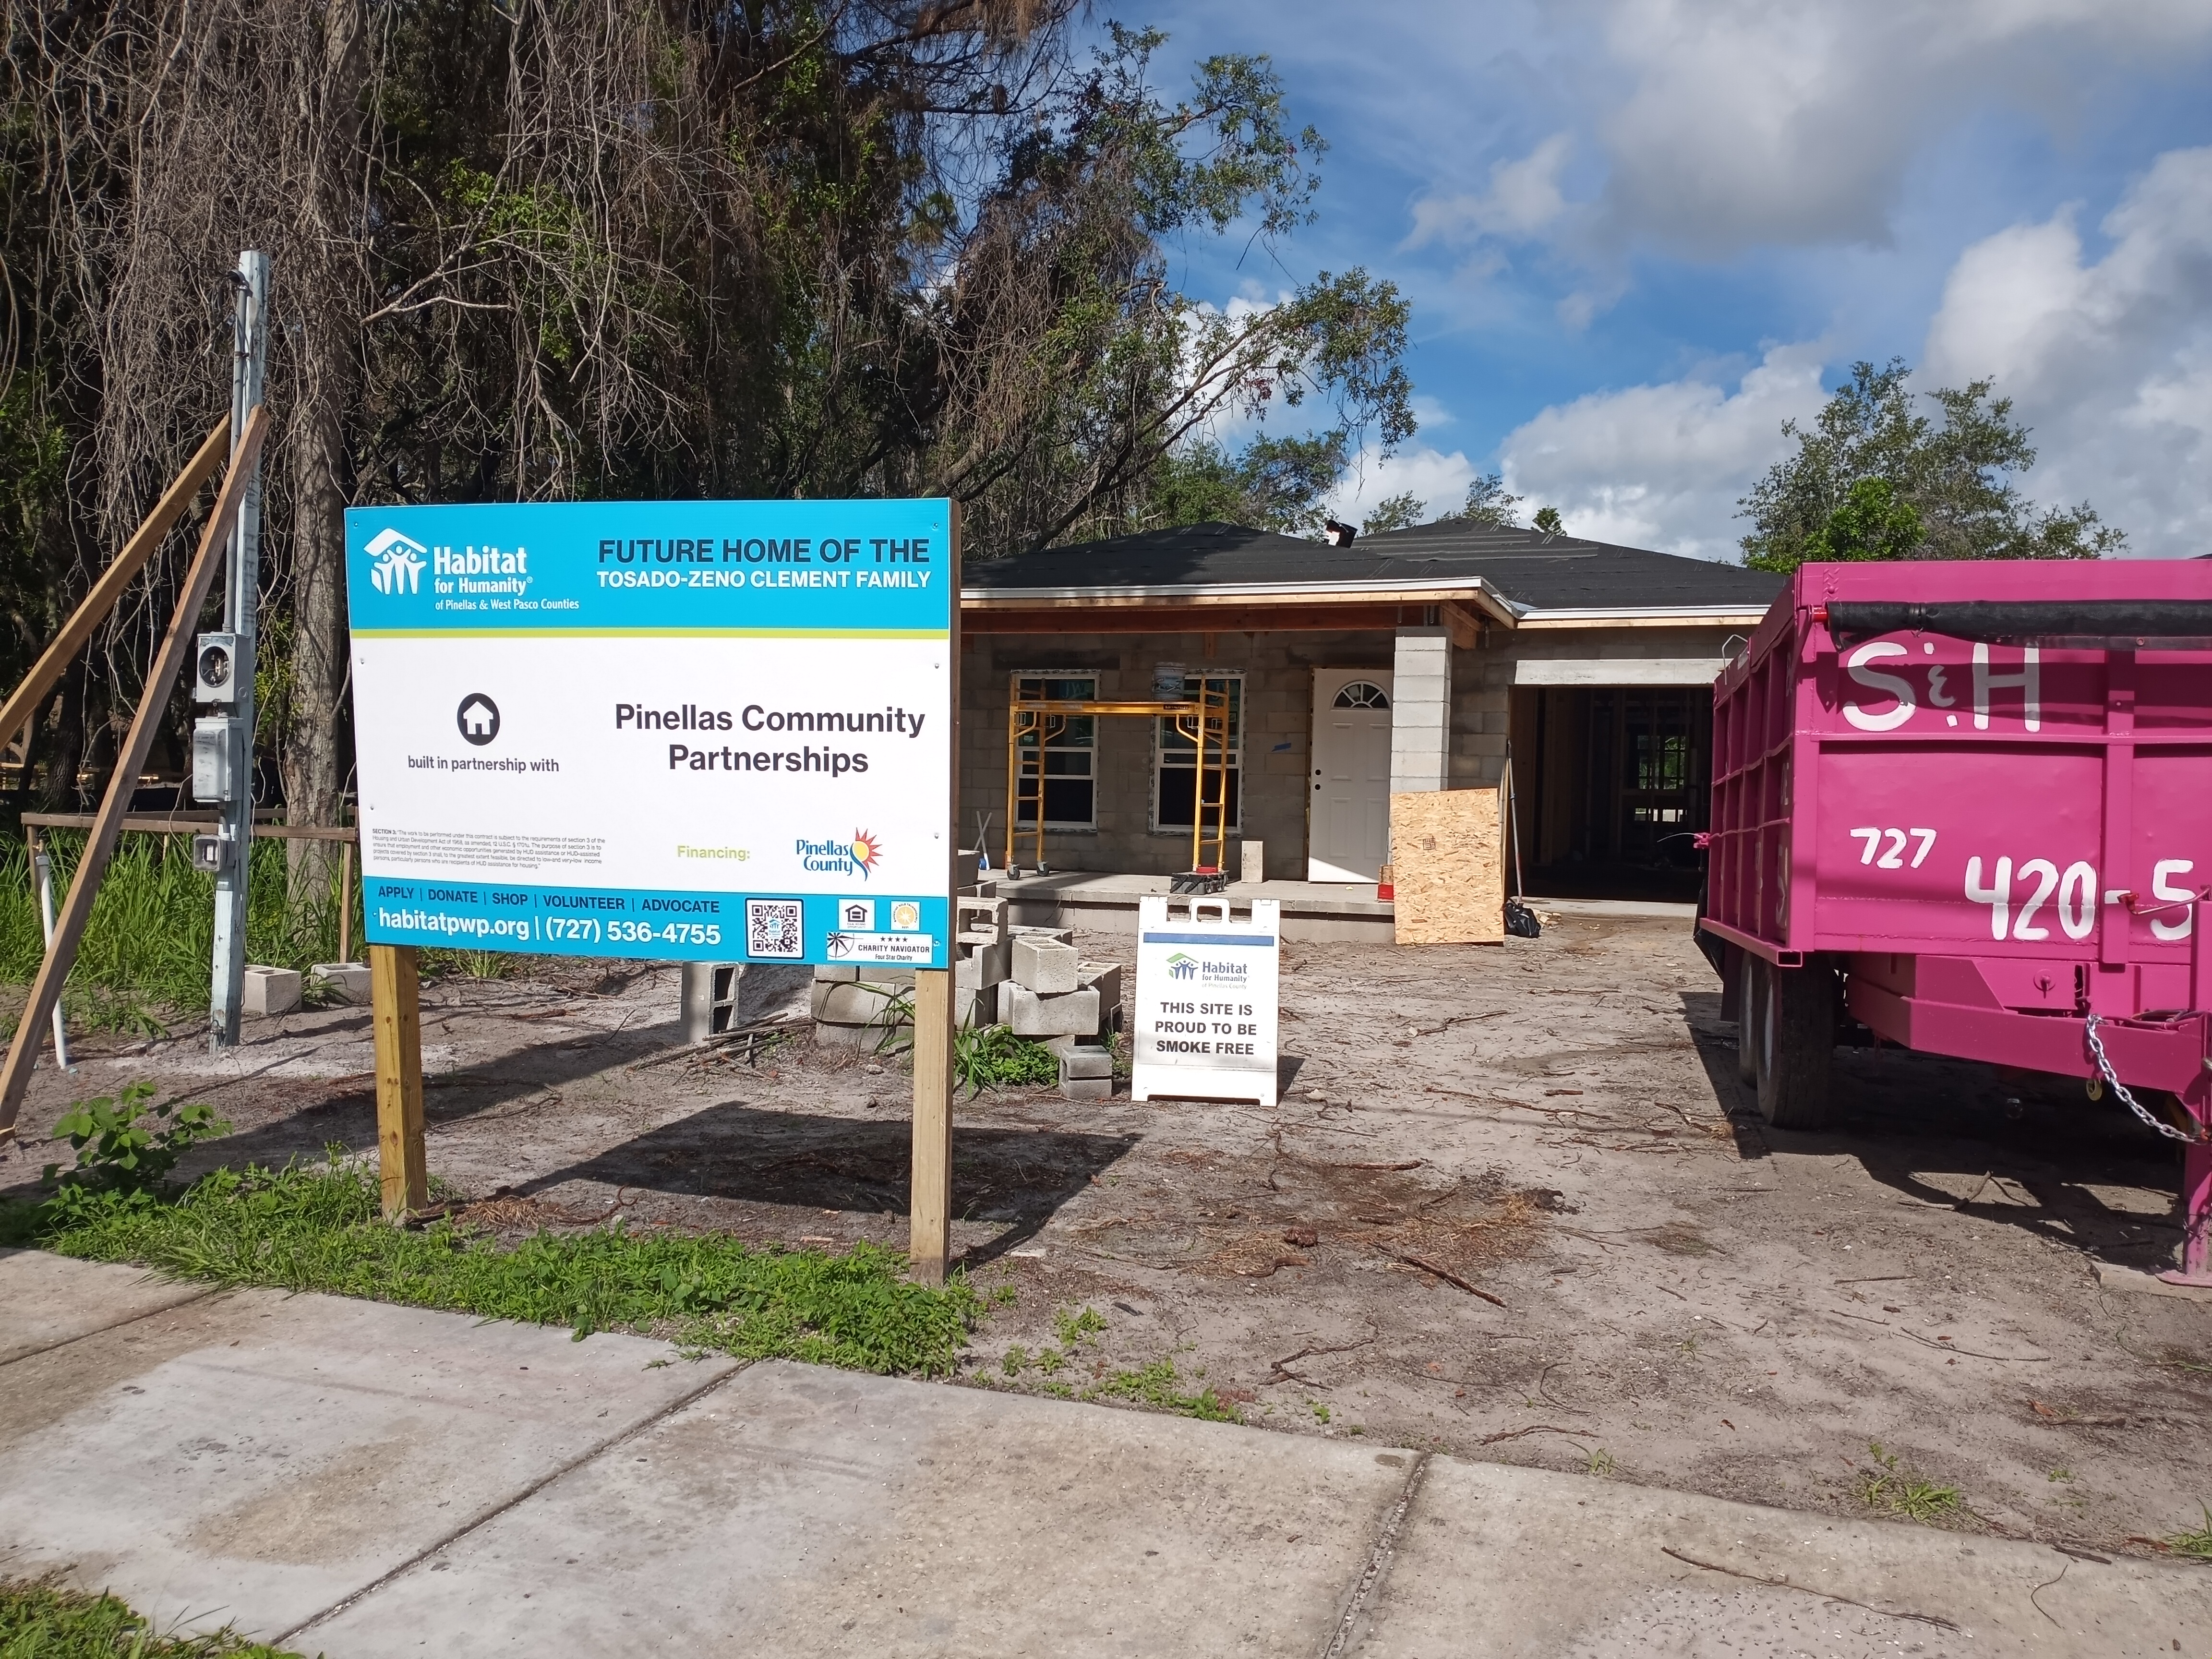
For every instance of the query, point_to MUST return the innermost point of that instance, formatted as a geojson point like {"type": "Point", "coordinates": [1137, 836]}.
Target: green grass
{"type": "Point", "coordinates": [146, 950]}
{"type": "Point", "coordinates": [42, 1621]}
{"type": "Point", "coordinates": [317, 1228]}
{"type": "Point", "coordinates": [993, 1057]}
{"type": "Point", "coordinates": [2197, 1544]}
{"type": "Point", "coordinates": [1154, 1386]}
{"type": "Point", "coordinates": [1895, 1488]}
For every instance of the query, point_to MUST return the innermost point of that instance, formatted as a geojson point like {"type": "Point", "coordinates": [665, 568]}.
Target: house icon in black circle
{"type": "Point", "coordinates": [478, 717]}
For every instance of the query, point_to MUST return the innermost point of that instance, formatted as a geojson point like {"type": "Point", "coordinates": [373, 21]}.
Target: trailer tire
{"type": "Point", "coordinates": [1750, 999]}
{"type": "Point", "coordinates": [1795, 1046]}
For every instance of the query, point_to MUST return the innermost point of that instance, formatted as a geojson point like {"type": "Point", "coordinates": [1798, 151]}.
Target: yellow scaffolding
{"type": "Point", "coordinates": [1203, 720]}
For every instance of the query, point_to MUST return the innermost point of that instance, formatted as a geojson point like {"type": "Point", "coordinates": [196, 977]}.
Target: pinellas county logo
{"type": "Point", "coordinates": [857, 856]}
{"type": "Point", "coordinates": [398, 567]}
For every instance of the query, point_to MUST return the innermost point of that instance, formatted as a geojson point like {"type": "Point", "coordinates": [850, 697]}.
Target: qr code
{"type": "Point", "coordinates": [773, 929]}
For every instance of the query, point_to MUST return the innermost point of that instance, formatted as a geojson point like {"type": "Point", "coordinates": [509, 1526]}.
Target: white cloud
{"type": "Point", "coordinates": [1523, 199]}
{"type": "Point", "coordinates": [2110, 360]}
{"type": "Point", "coordinates": [1661, 466]}
{"type": "Point", "coordinates": [1792, 121]}
{"type": "Point", "coordinates": [1437, 479]}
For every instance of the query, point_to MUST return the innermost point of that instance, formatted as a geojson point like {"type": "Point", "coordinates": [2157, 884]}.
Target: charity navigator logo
{"type": "Point", "coordinates": [398, 568]}
{"type": "Point", "coordinates": [855, 856]}
{"type": "Point", "coordinates": [1182, 966]}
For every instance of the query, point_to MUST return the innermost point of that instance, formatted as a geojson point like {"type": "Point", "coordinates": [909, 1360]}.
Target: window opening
{"type": "Point", "coordinates": [1361, 695]}
{"type": "Point", "coordinates": [1070, 755]}
{"type": "Point", "coordinates": [1174, 773]}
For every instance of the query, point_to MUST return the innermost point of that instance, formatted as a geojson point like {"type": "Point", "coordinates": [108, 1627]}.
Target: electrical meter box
{"type": "Point", "coordinates": [214, 669]}
{"type": "Point", "coordinates": [216, 763]}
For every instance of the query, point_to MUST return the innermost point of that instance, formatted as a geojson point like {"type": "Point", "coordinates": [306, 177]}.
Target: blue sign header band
{"type": "Point", "coordinates": [828, 570]}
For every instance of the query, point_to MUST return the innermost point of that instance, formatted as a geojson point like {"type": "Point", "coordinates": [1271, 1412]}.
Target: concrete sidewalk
{"type": "Point", "coordinates": [356, 1480]}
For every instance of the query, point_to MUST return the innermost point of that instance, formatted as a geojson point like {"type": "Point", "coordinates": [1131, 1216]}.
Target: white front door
{"type": "Point", "coordinates": [1348, 827]}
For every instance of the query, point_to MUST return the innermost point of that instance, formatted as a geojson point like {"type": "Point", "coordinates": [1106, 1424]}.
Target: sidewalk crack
{"type": "Point", "coordinates": [486, 1516]}
{"type": "Point", "coordinates": [1378, 1562]}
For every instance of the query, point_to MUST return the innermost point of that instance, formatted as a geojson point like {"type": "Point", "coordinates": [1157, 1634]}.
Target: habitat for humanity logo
{"type": "Point", "coordinates": [1182, 966]}
{"type": "Point", "coordinates": [398, 568]}
{"type": "Point", "coordinates": [856, 857]}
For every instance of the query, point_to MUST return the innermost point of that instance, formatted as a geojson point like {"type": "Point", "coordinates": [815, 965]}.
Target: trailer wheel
{"type": "Point", "coordinates": [1796, 1045]}
{"type": "Point", "coordinates": [1750, 1001]}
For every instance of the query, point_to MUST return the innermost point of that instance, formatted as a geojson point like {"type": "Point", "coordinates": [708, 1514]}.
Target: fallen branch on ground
{"type": "Point", "coordinates": [1444, 1274]}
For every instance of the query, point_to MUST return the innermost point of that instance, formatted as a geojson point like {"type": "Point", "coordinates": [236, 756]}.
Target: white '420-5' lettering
{"type": "Point", "coordinates": [2025, 908]}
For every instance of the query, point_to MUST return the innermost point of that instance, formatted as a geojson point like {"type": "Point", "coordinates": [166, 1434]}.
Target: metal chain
{"type": "Point", "coordinates": [2105, 1067]}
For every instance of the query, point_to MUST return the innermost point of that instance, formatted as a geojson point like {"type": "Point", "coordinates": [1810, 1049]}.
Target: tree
{"type": "Point", "coordinates": [1392, 513]}
{"type": "Point", "coordinates": [1875, 478]}
{"type": "Point", "coordinates": [1489, 503]}
{"type": "Point", "coordinates": [1272, 484]}
{"type": "Point", "coordinates": [1547, 520]}
{"type": "Point", "coordinates": [531, 250]}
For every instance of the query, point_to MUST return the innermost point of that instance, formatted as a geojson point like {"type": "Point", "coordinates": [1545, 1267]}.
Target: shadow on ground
{"type": "Point", "coordinates": [750, 1155]}
{"type": "Point", "coordinates": [2029, 1152]}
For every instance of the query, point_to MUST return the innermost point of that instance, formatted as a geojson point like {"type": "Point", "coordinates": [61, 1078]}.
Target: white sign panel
{"type": "Point", "coordinates": [1205, 1000]}
{"type": "Point", "coordinates": [718, 731]}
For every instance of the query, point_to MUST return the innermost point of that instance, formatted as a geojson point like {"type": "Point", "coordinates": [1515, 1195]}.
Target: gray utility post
{"type": "Point", "coordinates": [222, 739]}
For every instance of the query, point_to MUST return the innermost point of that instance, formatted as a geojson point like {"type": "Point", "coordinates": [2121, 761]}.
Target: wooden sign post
{"type": "Point", "coordinates": [929, 1196]}
{"type": "Point", "coordinates": [396, 1011]}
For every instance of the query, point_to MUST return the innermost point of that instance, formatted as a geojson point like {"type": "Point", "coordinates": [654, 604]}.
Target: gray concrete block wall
{"type": "Point", "coordinates": [1278, 715]}
{"type": "Point", "coordinates": [1420, 710]}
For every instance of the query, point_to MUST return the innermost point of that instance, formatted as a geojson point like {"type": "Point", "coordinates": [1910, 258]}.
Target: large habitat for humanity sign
{"type": "Point", "coordinates": [716, 731]}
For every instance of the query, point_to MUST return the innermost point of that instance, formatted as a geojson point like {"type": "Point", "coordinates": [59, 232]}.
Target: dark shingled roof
{"type": "Point", "coordinates": [1542, 573]}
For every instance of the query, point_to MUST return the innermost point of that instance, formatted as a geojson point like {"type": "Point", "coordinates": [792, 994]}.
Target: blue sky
{"type": "Point", "coordinates": [1639, 235]}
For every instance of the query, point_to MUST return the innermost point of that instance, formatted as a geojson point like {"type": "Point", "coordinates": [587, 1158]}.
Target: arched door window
{"type": "Point", "coordinates": [1361, 695]}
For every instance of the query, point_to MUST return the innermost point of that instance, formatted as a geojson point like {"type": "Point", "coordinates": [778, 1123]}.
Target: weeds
{"type": "Point", "coordinates": [1154, 1386]}
{"type": "Point", "coordinates": [1017, 1360]}
{"type": "Point", "coordinates": [49, 1622]}
{"type": "Point", "coordinates": [1896, 1488]}
{"type": "Point", "coordinates": [2196, 1545]}
{"type": "Point", "coordinates": [1601, 1463]}
{"type": "Point", "coordinates": [993, 1057]}
{"type": "Point", "coordinates": [1076, 1330]}
{"type": "Point", "coordinates": [117, 1150]}
{"type": "Point", "coordinates": [318, 1228]}
{"type": "Point", "coordinates": [151, 935]}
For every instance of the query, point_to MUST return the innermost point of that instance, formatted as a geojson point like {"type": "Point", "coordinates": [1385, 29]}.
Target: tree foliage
{"type": "Point", "coordinates": [1489, 503]}
{"type": "Point", "coordinates": [538, 250]}
{"type": "Point", "coordinates": [1392, 513]}
{"type": "Point", "coordinates": [1875, 476]}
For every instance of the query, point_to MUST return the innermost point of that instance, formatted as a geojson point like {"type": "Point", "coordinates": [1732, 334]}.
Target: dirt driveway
{"type": "Point", "coordinates": [1515, 1206]}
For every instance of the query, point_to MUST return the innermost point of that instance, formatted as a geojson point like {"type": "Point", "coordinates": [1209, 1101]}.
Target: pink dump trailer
{"type": "Point", "coordinates": [1970, 803]}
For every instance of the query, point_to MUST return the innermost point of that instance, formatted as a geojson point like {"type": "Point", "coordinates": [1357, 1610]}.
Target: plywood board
{"type": "Point", "coordinates": [1447, 850]}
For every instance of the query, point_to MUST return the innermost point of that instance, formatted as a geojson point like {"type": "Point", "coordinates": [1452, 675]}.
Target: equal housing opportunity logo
{"type": "Point", "coordinates": [398, 568]}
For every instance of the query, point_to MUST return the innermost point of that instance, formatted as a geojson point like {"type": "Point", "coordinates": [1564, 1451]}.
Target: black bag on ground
{"type": "Point", "coordinates": [1521, 921]}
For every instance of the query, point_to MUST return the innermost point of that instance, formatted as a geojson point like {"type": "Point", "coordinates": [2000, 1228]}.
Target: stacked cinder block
{"type": "Point", "coordinates": [984, 949]}
{"type": "Point", "coordinates": [1069, 1003]}
{"type": "Point", "coordinates": [855, 1007]}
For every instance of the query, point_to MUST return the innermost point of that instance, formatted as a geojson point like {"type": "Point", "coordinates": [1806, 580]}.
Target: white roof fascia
{"type": "Point", "coordinates": [1688, 613]}
{"type": "Point", "coordinates": [1238, 590]}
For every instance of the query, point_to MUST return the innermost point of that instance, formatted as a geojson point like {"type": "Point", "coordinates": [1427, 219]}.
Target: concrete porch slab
{"type": "Point", "coordinates": [1313, 912]}
{"type": "Point", "coordinates": [800, 1511]}
{"type": "Point", "coordinates": [259, 1458]}
{"type": "Point", "coordinates": [1493, 1560]}
{"type": "Point", "coordinates": [47, 1300]}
